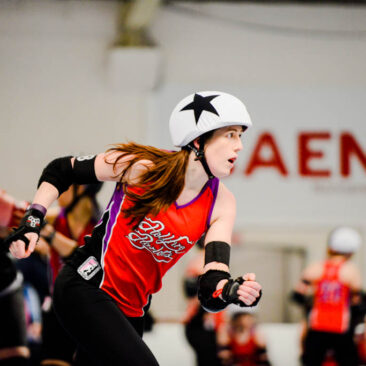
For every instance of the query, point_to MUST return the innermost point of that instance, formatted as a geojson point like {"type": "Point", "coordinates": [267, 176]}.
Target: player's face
{"type": "Point", "coordinates": [222, 150]}
{"type": "Point", "coordinates": [243, 322]}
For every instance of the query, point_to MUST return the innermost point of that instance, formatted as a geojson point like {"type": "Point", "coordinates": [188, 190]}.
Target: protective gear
{"type": "Point", "coordinates": [344, 240]}
{"type": "Point", "coordinates": [200, 113]}
{"type": "Point", "coordinates": [32, 222]}
{"type": "Point", "coordinates": [207, 288]}
{"type": "Point", "coordinates": [203, 112]}
{"type": "Point", "coordinates": [209, 296]}
{"type": "Point", "coordinates": [61, 174]}
{"type": "Point", "coordinates": [230, 295]}
{"type": "Point", "coordinates": [298, 298]}
{"type": "Point", "coordinates": [217, 251]}
{"type": "Point", "coordinates": [84, 172]}
{"type": "Point", "coordinates": [58, 173]}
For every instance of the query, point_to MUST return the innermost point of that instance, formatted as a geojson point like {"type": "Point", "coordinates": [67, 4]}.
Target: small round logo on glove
{"type": "Point", "coordinates": [33, 221]}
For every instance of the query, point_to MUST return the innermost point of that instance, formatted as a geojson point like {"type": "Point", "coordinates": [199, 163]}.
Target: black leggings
{"type": "Point", "coordinates": [56, 342]}
{"type": "Point", "coordinates": [318, 343]}
{"type": "Point", "coordinates": [105, 336]}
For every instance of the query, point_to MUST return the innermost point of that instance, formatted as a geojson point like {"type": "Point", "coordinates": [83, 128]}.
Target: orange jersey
{"type": "Point", "coordinates": [331, 310]}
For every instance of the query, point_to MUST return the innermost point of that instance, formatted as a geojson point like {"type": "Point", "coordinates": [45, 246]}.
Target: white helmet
{"type": "Point", "coordinates": [205, 111]}
{"type": "Point", "coordinates": [344, 240]}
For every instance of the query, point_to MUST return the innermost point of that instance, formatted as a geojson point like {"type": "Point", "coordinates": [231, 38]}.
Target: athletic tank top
{"type": "Point", "coordinates": [133, 261]}
{"type": "Point", "coordinates": [61, 225]}
{"type": "Point", "coordinates": [244, 354]}
{"type": "Point", "coordinates": [331, 310]}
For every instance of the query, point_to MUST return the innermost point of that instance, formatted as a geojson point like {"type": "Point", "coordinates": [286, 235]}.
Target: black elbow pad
{"type": "Point", "coordinates": [298, 298]}
{"type": "Point", "coordinates": [62, 175]}
{"type": "Point", "coordinates": [58, 173]}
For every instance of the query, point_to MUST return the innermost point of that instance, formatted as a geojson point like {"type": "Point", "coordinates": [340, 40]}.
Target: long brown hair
{"type": "Point", "coordinates": [161, 184]}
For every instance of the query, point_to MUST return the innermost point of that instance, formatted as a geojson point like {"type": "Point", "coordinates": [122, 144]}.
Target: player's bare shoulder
{"type": "Point", "coordinates": [225, 203]}
{"type": "Point", "coordinates": [313, 271]}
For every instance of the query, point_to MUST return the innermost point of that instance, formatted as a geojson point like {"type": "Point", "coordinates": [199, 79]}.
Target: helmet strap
{"type": "Point", "coordinates": [200, 155]}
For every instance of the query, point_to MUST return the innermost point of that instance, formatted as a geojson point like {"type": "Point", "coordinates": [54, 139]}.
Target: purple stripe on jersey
{"type": "Point", "coordinates": [197, 197]}
{"type": "Point", "coordinates": [62, 213]}
{"type": "Point", "coordinates": [105, 210]}
{"type": "Point", "coordinates": [214, 186]}
{"type": "Point", "coordinates": [114, 209]}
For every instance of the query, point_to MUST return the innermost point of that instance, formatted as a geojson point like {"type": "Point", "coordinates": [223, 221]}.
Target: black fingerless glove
{"type": "Point", "coordinates": [230, 293]}
{"type": "Point", "coordinates": [32, 222]}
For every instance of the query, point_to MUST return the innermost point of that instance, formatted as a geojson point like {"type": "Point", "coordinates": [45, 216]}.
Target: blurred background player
{"type": "Point", "coordinates": [13, 340]}
{"type": "Point", "coordinates": [240, 343]}
{"type": "Point", "coordinates": [199, 325]}
{"type": "Point", "coordinates": [334, 285]}
{"type": "Point", "coordinates": [76, 216]}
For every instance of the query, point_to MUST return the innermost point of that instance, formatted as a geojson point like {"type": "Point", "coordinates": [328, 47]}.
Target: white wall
{"type": "Point", "coordinates": [298, 68]}
{"type": "Point", "coordinates": [55, 96]}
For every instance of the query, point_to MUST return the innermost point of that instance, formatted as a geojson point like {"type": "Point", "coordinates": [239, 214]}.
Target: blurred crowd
{"type": "Point", "coordinates": [333, 330]}
{"type": "Point", "coordinates": [30, 333]}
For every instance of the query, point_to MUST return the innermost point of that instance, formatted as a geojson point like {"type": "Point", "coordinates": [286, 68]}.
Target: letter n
{"type": "Point", "coordinates": [348, 148]}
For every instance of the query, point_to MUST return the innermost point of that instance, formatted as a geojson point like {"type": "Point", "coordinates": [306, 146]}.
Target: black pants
{"type": "Point", "coordinates": [104, 335]}
{"type": "Point", "coordinates": [57, 343]}
{"type": "Point", "coordinates": [318, 343]}
{"type": "Point", "coordinates": [203, 343]}
{"type": "Point", "coordinates": [13, 331]}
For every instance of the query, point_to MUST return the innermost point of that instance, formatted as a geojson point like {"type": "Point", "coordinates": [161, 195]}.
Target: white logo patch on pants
{"type": "Point", "coordinates": [89, 268]}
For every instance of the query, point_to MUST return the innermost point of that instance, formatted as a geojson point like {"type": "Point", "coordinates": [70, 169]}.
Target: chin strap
{"type": "Point", "coordinates": [200, 155]}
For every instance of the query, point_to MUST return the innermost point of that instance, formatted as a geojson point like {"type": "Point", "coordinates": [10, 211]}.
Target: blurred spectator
{"type": "Point", "coordinates": [13, 341]}
{"type": "Point", "coordinates": [76, 216]}
{"type": "Point", "coordinates": [334, 285]}
{"type": "Point", "coordinates": [240, 342]}
{"type": "Point", "coordinates": [200, 326]}
{"type": "Point", "coordinates": [33, 323]}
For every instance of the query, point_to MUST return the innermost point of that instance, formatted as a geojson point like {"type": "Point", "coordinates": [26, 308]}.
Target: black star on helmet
{"type": "Point", "coordinates": [201, 104]}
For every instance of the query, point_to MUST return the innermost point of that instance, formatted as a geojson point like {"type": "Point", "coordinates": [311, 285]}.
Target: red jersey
{"type": "Point", "coordinates": [61, 225]}
{"type": "Point", "coordinates": [331, 310]}
{"type": "Point", "coordinates": [133, 261]}
{"type": "Point", "coordinates": [244, 354]}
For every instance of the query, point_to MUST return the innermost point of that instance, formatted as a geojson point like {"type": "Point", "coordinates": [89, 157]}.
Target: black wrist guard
{"type": "Point", "coordinates": [217, 251]}
{"type": "Point", "coordinates": [31, 222]}
{"type": "Point", "coordinates": [207, 293]}
{"type": "Point", "coordinates": [230, 293]}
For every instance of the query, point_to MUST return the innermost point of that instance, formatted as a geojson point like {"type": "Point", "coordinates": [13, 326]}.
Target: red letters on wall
{"type": "Point", "coordinates": [348, 148]}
